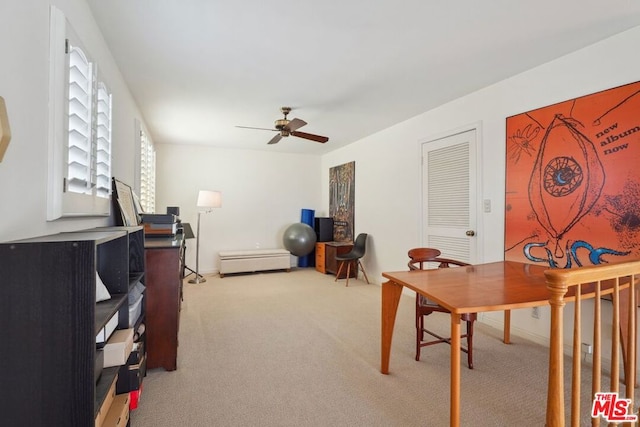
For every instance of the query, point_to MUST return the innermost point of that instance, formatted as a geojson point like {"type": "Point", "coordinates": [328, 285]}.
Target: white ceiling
{"type": "Point", "coordinates": [198, 68]}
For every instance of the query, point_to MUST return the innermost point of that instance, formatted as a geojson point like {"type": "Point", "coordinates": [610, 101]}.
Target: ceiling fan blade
{"type": "Point", "coordinates": [295, 124]}
{"type": "Point", "coordinates": [275, 139]}
{"type": "Point", "coordinates": [249, 127]}
{"type": "Point", "coordinates": [312, 137]}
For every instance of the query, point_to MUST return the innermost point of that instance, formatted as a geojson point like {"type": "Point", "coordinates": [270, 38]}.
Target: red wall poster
{"type": "Point", "coordinates": [573, 181]}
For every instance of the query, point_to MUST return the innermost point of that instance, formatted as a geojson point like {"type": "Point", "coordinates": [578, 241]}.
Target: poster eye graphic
{"type": "Point", "coordinates": [567, 167]}
{"type": "Point", "coordinates": [562, 176]}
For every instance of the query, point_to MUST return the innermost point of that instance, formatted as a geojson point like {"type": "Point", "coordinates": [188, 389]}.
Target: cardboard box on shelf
{"type": "Point", "coordinates": [106, 332]}
{"type": "Point", "coordinates": [106, 405]}
{"type": "Point", "coordinates": [118, 415]}
{"type": "Point", "coordinates": [117, 349]}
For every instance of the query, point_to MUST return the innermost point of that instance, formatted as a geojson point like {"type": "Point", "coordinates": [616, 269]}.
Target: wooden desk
{"type": "Point", "coordinates": [495, 286]}
{"type": "Point", "coordinates": [477, 288]}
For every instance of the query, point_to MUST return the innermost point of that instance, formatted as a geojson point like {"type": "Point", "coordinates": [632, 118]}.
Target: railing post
{"type": "Point", "coordinates": [555, 389]}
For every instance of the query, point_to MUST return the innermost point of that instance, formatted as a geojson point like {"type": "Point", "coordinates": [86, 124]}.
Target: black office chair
{"type": "Point", "coordinates": [352, 258]}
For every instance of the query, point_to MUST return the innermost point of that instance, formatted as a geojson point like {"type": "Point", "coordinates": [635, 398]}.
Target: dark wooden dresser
{"type": "Point", "coordinates": [163, 257]}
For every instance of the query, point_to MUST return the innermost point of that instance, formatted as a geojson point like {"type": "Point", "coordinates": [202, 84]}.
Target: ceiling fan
{"type": "Point", "coordinates": [286, 127]}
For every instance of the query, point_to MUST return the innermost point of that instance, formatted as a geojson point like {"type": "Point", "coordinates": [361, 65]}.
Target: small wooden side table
{"type": "Point", "coordinates": [326, 253]}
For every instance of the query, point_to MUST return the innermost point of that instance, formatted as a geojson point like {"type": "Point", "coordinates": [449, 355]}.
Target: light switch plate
{"type": "Point", "coordinates": [486, 204]}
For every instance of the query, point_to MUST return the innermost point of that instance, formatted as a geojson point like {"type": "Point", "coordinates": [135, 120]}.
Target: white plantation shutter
{"type": "Point", "coordinates": [80, 121]}
{"type": "Point", "coordinates": [79, 155]}
{"type": "Point", "coordinates": [147, 173]}
{"type": "Point", "coordinates": [89, 129]}
{"type": "Point", "coordinates": [103, 141]}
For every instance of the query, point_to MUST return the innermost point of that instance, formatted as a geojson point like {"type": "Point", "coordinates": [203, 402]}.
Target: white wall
{"type": "Point", "coordinates": [388, 185]}
{"type": "Point", "coordinates": [24, 85]}
{"type": "Point", "coordinates": [262, 194]}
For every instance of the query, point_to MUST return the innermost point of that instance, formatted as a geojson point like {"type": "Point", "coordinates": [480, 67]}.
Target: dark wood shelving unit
{"type": "Point", "coordinates": [49, 320]}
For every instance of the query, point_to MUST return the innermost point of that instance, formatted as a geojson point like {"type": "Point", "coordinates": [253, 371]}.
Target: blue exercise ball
{"type": "Point", "coordinates": [299, 239]}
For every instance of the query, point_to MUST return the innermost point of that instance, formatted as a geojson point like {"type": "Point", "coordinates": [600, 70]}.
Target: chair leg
{"type": "Point", "coordinates": [363, 272]}
{"type": "Point", "coordinates": [419, 327]}
{"type": "Point", "coordinates": [348, 272]}
{"type": "Point", "coordinates": [420, 338]}
{"type": "Point", "coordinates": [339, 271]}
{"type": "Point", "coordinates": [470, 343]}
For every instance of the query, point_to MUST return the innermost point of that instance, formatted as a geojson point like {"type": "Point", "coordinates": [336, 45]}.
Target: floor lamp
{"type": "Point", "coordinates": [207, 200]}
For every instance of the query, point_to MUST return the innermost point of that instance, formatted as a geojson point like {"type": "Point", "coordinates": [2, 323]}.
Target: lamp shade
{"type": "Point", "coordinates": [209, 199]}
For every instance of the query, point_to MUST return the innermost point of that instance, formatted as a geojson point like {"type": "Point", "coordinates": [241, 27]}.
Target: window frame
{"type": "Point", "coordinates": [60, 201]}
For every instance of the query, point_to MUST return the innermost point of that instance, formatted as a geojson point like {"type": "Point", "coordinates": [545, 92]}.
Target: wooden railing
{"type": "Point", "coordinates": [592, 282]}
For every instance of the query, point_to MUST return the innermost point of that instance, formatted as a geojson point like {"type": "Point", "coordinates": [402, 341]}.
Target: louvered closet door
{"type": "Point", "coordinates": [449, 195]}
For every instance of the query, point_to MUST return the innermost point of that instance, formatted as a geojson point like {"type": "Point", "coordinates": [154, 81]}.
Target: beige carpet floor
{"type": "Point", "coordinates": [298, 349]}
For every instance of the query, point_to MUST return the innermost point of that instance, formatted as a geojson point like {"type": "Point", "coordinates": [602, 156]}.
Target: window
{"type": "Point", "coordinates": [80, 128]}
{"type": "Point", "coordinates": [147, 173]}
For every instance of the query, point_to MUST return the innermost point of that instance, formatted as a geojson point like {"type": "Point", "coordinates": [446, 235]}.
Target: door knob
{"type": "Point", "coordinates": [470, 233]}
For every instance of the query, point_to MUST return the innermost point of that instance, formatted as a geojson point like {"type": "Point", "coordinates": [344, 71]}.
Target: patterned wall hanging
{"type": "Point", "coordinates": [341, 200]}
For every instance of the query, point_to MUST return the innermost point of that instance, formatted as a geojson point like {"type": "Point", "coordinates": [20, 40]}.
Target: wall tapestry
{"type": "Point", "coordinates": [341, 200]}
{"type": "Point", "coordinates": [573, 181]}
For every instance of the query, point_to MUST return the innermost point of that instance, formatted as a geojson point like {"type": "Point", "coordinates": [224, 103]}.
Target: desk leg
{"type": "Point", "coordinates": [455, 371]}
{"type": "Point", "coordinates": [507, 327]}
{"type": "Point", "coordinates": [391, 292]}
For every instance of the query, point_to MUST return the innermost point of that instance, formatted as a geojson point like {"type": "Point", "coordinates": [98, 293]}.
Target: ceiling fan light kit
{"type": "Point", "coordinates": [286, 127]}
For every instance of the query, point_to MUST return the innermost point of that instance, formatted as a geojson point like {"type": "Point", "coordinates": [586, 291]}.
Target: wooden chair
{"type": "Point", "coordinates": [352, 258]}
{"type": "Point", "coordinates": [420, 258]}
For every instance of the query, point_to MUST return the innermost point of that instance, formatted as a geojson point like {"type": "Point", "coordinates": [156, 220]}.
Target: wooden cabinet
{"type": "Point", "coordinates": [49, 320]}
{"type": "Point", "coordinates": [320, 258]}
{"type": "Point", "coordinates": [326, 253]}
{"type": "Point", "coordinates": [163, 298]}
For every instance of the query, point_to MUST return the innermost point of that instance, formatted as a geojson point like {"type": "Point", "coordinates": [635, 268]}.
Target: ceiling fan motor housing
{"type": "Point", "coordinates": [281, 123]}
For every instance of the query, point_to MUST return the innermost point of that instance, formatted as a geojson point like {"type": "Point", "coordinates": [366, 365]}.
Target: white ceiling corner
{"type": "Point", "coordinates": [198, 68]}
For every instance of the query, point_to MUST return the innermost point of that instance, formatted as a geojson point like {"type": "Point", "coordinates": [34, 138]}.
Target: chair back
{"type": "Point", "coordinates": [419, 258]}
{"type": "Point", "coordinates": [359, 246]}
